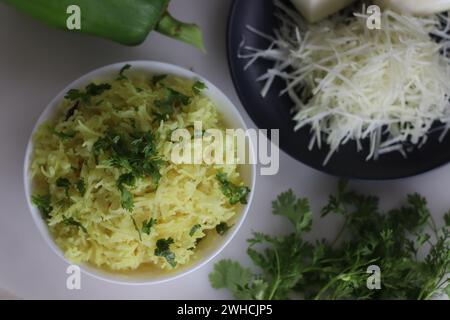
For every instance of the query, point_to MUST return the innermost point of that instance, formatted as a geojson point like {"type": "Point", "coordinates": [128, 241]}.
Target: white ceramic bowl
{"type": "Point", "coordinates": [213, 245]}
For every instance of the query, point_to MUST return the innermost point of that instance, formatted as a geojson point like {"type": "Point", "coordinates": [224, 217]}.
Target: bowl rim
{"type": "Point", "coordinates": [145, 66]}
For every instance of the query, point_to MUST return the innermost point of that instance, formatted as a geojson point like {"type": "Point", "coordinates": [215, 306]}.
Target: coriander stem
{"type": "Point", "coordinates": [434, 226]}
{"type": "Point", "coordinates": [136, 227]}
{"type": "Point", "coordinates": [340, 233]}
{"type": "Point", "coordinates": [278, 279]}
{"type": "Point", "coordinates": [325, 288]}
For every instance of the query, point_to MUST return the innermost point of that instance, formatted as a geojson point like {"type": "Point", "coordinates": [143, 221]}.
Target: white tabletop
{"type": "Point", "coordinates": [36, 62]}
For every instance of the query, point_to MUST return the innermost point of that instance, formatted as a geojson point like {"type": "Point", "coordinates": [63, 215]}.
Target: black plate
{"type": "Point", "coordinates": [273, 112]}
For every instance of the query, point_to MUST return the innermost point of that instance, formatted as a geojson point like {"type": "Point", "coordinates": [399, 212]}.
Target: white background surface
{"type": "Point", "coordinates": [36, 62]}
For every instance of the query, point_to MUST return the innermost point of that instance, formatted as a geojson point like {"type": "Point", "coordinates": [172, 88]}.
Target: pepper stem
{"type": "Point", "coordinates": [186, 32]}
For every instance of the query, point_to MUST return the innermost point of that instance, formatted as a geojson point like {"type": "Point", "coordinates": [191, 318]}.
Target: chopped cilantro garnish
{"type": "Point", "coordinates": [122, 71]}
{"type": "Point", "coordinates": [71, 111]}
{"type": "Point", "coordinates": [148, 225]}
{"type": "Point", "coordinates": [157, 79]}
{"type": "Point", "coordinates": [81, 186]}
{"type": "Point", "coordinates": [72, 222]}
{"type": "Point", "coordinates": [64, 183]}
{"type": "Point", "coordinates": [43, 203]}
{"type": "Point", "coordinates": [234, 193]}
{"type": "Point", "coordinates": [126, 179]}
{"type": "Point", "coordinates": [91, 90]}
{"type": "Point", "coordinates": [136, 227]}
{"type": "Point", "coordinates": [127, 200]}
{"type": "Point", "coordinates": [136, 154]}
{"type": "Point", "coordinates": [172, 99]}
{"type": "Point", "coordinates": [194, 229]}
{"type": "Point", "coordinates": [198, 86]}
{"type": "Point", "coordinates": [163, 250]}
{"type": "Point", "coordinates": [64, 136]}
{"type": "Point", "coordinates": [222, 228]}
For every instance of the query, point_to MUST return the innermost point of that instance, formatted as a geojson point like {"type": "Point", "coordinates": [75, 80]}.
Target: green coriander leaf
{"type": "Point", "coordinates": [126, 179]}
{"type": "Point", "coordinates": [81, 186]}
{"type": "Point", "coordinates": [163, 250]}
{"type": "Point", "coordinates": [258, 290]}
{"type": "Point", "coordinates": [64, 183]}
{"type": "Point", "coordinates": [72, 222]}
{"type": "Point", "coordinates": [70, 113]}
{"type": "Point", "coordinates": [198, 87]}
{"type": "Point", "coordinates": [338, 270]}
{"type": "Point", "coordinates": [136, 153]}
{"type": "Point", "coordinates": [235, 194]}
{"type": "Point", "coordinates": [75, 94]}
{"type": "Point", "coordinates": [243, 285]}
{"type": "Point", "coordinates": [447, 219]}
{"type": "Point", "coordinates": [93, 89]}
{"type": "Point", "coordinates": [127, 200]}
{"type": "Point", "coordinates": [422, 239]}
{"type": "Point", "coordinates": [296, 210]}
{"type": "Point", "coordinates": [122, 71]}
{"type": "Point", "coordinates": [148, 225]}
{"type": "Point", "coordinates": [136, 227]}
{"type": "Point", "coordinates": [157, 79]}
{"type": "Point", "coordinates": [231, 275]}
{"type": "Point", "coordinates": [172, 99]}
{"type": "Point", "coordinates": [222, 228]}
{"type": "Point", "coordinates": [101, 145]}
{"type": "Point", "coordinates": [166, 106]}
{"type": "Point", "coordinates": [43, 203]}
{"type": "Point", "coordinates": [64, 136]}
{"type": "Point", "coordinates": [194, 229]}
{"type": "Point", "coordinates": [179, 98]}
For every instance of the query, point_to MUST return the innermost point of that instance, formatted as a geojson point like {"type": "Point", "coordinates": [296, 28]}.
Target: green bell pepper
{"type": "Point", "coordinates": [124, 21]}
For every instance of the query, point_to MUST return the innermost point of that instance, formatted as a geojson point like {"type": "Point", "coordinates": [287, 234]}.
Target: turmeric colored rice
{"type": "Point", "coordinates": [105, 183]}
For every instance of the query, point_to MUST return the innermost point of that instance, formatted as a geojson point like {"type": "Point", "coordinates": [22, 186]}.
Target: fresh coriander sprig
{"type": "Point", "coordinates": [338, 269]}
